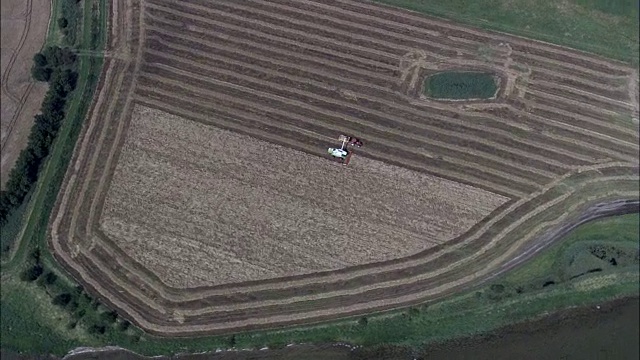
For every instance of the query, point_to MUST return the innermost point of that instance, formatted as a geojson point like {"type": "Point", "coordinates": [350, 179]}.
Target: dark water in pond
{"type": "Point", "coordinates": [608, 333]}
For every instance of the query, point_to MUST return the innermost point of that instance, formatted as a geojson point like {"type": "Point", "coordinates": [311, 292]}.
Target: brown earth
{"type": "Point", "coordinates": [24, 28]}
{"type": "Point", "coordinates": [299, 73]}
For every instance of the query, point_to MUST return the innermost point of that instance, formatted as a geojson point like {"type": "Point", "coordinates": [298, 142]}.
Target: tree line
{"type": "Point", "coordinates": [57, 66]}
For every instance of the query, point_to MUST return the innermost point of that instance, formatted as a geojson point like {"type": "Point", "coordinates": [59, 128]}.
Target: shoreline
{"type": "Point", "coordinates": [538, 324]}
{"type": "Point", "coordinates": [541, 322]}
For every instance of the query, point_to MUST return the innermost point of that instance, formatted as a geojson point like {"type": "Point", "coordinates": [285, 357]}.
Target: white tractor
{"type": "Point", "coordinates": [342, 153]}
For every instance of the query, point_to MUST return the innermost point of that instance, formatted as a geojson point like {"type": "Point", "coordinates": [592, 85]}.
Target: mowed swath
{"type": "Point", "coordinates": [175, 30]}
{"type": "Point", "coordinates": [203, 206]}
{"type": "Point", "coordinates": [148, 222]}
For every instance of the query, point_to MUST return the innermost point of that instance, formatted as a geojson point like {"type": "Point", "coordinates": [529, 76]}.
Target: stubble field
{"type": "Point", "coordinates": [203, 206]}
{"type": "Point", "coordinates": [24, 27]}
{"type": "Point", "coordinates": [151, 202]}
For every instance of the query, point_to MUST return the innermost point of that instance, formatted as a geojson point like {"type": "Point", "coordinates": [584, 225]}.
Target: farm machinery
{"type": "Point", "coordinates": [342, 153]}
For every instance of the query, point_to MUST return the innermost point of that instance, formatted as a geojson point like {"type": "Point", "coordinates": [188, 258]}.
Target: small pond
{"type": "Point", "coordinates": [460, 85]}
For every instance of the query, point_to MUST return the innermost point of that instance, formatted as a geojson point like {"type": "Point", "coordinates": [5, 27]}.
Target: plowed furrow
{"type": "Point", "coordinates": [315, 305]}
{"type": "Point", "coordinates": [349, 28]}
{"type": "Point", "coordinates": [167, 331]}
{"type": "Point", "coordinates": [404, 273]}
{"type": "Point", "coordinates": [527, 129]}
{"type": "Point", "coordinates": [116, 295]}
{"type": "Point", "coordinates": [260, 96]}
{"type": "Point", "coordinates": [333, 104]}
{"type": "Point", "coordinates": [358, 281]}
{"type": "Point", "coordinates": [587, 139]}
{"type": "Point", "coordinates": [191, 12]}
{"type": "Point", "coordinates": [569, 66]}
{"type": "Point", "coordinates": [344, 35]}
{"type": "Point", "coordinates": [441, 168]}
{"type": "Point", "coordinates": [487, 234]}
{"type": "Point", "coordinates": [333, 80]}
{"type": "Point", "coordinates": [279, 50]}
{"type": "Point", "coordinates": [566, 99]}
{"type": "Point", "coordinates": [584, 84]}
{"type": "Point", "coordinates": [606, 146]}
{"type": "Point", "coordinates": [539, 64]}
{"type": "Point", "coordinates": [92, 133]}
{"type": "Point", "coordinates": [422, 31]}
{"type": "Point", "coordinates": [402, 151]}
{"type": "Point", "coordinates": [328, 91]}
{"type": "Point", "coordinates": [430, 117]}
{"type": "Point", "coordinates": [619, 103]}
{"type": "Point", "coordinates": [585, 117]}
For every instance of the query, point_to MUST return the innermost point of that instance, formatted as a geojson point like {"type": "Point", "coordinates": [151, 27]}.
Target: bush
{"type": "Point", "coordinates": [79, 314]}
{"type": "Point", "coordinates": [50, 278]}
{"type": "Point", "coordinates": [35, 255]}
{"type": "Point", "coordinates": [32, 273]}
{"type": "Point", "coordinates": [40, 60]}
{"type": "Point", "coordinates": [109, 316]}
{"type": "Point", "coordinates": [124, 325]}
{"type": "Point", "coordinates": [63, 23]}
{"type": "Point", "coordinates": [97, 329]}
{"type": "Point", "coordinates": [61, 299]}
{"type": "Point", "coordinates": [72, 306]}
{"type": "Point", "coordinates": [41, 73]}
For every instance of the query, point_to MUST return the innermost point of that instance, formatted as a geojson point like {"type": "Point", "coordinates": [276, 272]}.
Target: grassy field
{"type": "Point", "coordinates": [460, 85]}
{"type": "Point", "coordinates": [606, 27]}
{"type": "Point", "coordinates": [518, 296]}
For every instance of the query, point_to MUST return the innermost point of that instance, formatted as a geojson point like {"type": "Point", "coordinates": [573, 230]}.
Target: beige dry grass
{"type": "Point", "coordinates": [201, 206]}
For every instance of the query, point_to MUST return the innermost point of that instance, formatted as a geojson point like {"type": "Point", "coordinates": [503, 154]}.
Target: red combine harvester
{"type": "Point", "coordinates": [351, 140]}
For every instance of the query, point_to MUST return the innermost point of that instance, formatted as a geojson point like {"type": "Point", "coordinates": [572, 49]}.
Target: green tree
{"type": "Point", "coordinates": [63, 23]}
{"type": "Point", "coordinates": [41, 73]}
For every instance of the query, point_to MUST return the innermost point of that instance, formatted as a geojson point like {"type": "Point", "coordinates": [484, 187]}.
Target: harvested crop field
{"type": "Point", "coordinates": [153, 201]}
{"type": "Point", "coordinates": [24, 27]}
{"type": "Point", "coordinates": [202, 206]}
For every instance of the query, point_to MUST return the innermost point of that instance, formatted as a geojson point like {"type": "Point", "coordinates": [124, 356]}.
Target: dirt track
{"type": "Point", "coordinates": [24, 27]}
{"type": "Point", "coordinates": [249, 67]}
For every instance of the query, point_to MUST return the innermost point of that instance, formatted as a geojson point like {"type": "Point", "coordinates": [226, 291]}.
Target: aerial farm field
{"type": "Point", "coordinates": [201, 200]}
